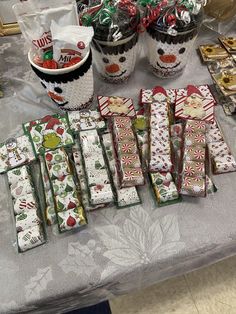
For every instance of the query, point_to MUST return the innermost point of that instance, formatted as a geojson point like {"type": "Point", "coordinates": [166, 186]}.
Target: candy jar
{"type": "Point", "coordinates": [172, 27]}
{"type": "Point", "coordinates": [115, 41]}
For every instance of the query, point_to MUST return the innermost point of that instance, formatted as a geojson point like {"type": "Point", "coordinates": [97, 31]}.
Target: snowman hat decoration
{"type": "Point", "coordinates": [193, 91]}
{"type": "Point", "coordinates": [159, 93]}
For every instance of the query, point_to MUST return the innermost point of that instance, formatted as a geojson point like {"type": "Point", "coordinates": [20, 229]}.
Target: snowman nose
{"type": "Point", "coordinates": [113, 68]}
{"type": "Point", "coordinates": [55, 96]}
{"type": "Point", "coordinates": [168, 58]}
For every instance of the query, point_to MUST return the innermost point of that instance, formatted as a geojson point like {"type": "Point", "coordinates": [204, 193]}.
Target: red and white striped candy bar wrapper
{"type": "Point", "coordinates": [208, 104]}
{"type": "Point", "coordinates": [160, 163]}
{"type": "Point", "coordinates": [195, 153]}
{"type": "Point", "coordinates": [131, 177]}
{"type": "Point", "coordinates": [195, 126]}
{"type": "Point", "coordinates": [218, 149]}
{"type": "Point", "coordinates": [122, 122]}
{"type": "Point", "coordinates": [129, 147]}
{"type": "Point", "coordinates": [107, 110]}
{"type": "Point", "coordinates": [224, 164]}
{"type": "Point", "coordinates": [194, 138]}
{"type": "Point", "coordinates": [194, 169]}
{"type": "Point", "coordinates": [26, 202]}
{"type": "Point", "coordinates": [130, 161]}
{"type": "Point", "coordinates": [124, 134]}
{"type": "Point", "coordinates": [146, 96]}
{"type": "Point", "coordinates": [194, 186]}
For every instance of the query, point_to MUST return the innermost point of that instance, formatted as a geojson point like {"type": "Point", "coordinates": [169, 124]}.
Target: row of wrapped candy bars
{"type": "Point", "coordinates": [193, 174]}
{"type": "Point", "coordinates": [127, 153]}
{"type": "Point", "coordinates": [98, 182]}
{"type": "Point", "coordinates": [28, 218]}
{"type": "Point", "coordinates": [220, 154]}
{"type": "Point", "coordinates": [68, 206]}
{"type": "Point", "coordinates": [126, 196]}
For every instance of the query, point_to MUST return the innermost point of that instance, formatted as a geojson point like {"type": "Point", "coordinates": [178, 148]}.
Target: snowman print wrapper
{"type": "Point", "coordinates": [167, 54]}
{"type": "Point", "coordinates": [115, 61]}
{"type": "Point", "coordinates": [70, 90]}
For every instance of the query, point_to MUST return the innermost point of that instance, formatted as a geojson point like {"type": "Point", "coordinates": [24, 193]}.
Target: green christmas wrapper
{"type": "Point", "coordinates": [56, 156]}
{"type": "Point", "coordinates": [161, 178]}
{"type": "Point", "coordinates": [27, 219]}
{"type": "Point", "coordinates": [65, 185]}
{"type": "Point", "coordinates": [59, 170]}
{"type": "Point", "coordinates": [51, 215]}
{"type": "Point", "coordinates": [67, 200]}
{"type": "Point", "coordinates": [21, 188]}
{"type": "Point", "coordinates": [17, 174]}
{"type": "Point", "coordinates": [71, 219]}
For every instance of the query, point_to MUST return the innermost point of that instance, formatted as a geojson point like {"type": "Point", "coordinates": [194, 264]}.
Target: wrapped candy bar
{"type": "Point", "coordinates": [194, 138]}
{"type": "Point", "coordinates": [193, 168]}
{"type": "Point", "coordinates": [214, 135]}
{"type": "Point", "coordinates": [71, 219]}
{"type": "Point", "coordinates": [51, 215]}
{"type": "Point", "coordinates": [161, 177]}
{"type": "Point", "coordinates": [224, 163]}
{"type": "Point", "coordinates": [195, 126]}
{"type": "Point", "coordinates": [65, 185]}
{"type": "Point", "coordinates": [129, 160]}
{"type": "Point", "coordinates": [127, 147]}
{"type": "Point", "coordinates": [124, 134]}
{"type": "Point", "coordinates": [123, 122]}
{"type": "Point", "coordinates": [24, 203]}
{"type": "Point", "coordinates": [194, 186]}
{"type": "Point", "coordinates": [27, 219]}
{"type": "Point", "coordinates": [17, 174]}
{"type": "Point", "coordinates": [116, 106]}
{"type": "Point", "coordinates": [141, 128]}
{"type": "Point", "coordinates": [195, 153]}
{"type": "Point", "coordinates": [131, 177]}
{"type": "Point", "coordinates": [97, 177]}
{"type": "Point", "coordinates": [21, 188]}
{"type": "Point", "coordinates": [160, 163]}
{"type": "Point", "coordinates": [67, 200]}
{"type": "Point", "coordinates": [101, 193]}
{"type": "Point", "coordinates": [218, 149]}
{"type": "Point", "coordinates": [85, 120]}
{"type": "Point", "coordinates": [59, 170]}
{"type": "Point", "coordinates": [30, 238]}
{"type": "Point", "coordinates": [56, 156]}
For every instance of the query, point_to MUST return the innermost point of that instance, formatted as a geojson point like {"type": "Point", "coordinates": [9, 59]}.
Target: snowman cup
{"type": "Point", "coordinates": [168, 54]}
{"type": "Point", "coordinates": [115, 61]}
{"type": "Point", "coordinates": [69, 88]}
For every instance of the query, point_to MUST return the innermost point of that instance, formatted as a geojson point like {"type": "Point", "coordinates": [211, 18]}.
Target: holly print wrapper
{"type": "Point", "coordinates": [194, 186]}
{"type": "Point", "coordinates": [50, 132]}
{"type": "Point", "coordinates": [214, 135]}
{"type": "Point", "coordinates": [116, 106]}
{"type": "Point", "coordinates": [195, 153]}
{"type": "Point", "coordinates": [176, 130]}
{"type": "Point", "coordinates": [224, 164]}
{"type": "Point", "coordinates": [101, 193]}
{"type": "Point", "coordinates": [127, 197]}
{"type": "Point", "coordinates": [51, 215]}
{"type": "Point", "coordinates": [71, 219]}
{"type": "Point", "coordinates": [30, 238]}
{"type": "Point", "coordinates": [17, 174]}
{"type": "Point", "coordinates": [193, 169]}
{"type": "Point", "coordinates": [122, 122]}
{"type": "Point", "coordinates": [161, 178]}
{"type": "Point", "coordinates": [59, 170]}
{"type": "Point", "coordinates": [124, 134]}
{"type": "Point", "coordinates": [130, 160]}
{"type": "Point", "coordinates": [21, 188]}
{"type": "Point", "coordinates": [195, 126]}
{"type": "Point", "coordinates": [128, 147]}
{"type": "Point", "coordinates": [95, 177]}
{"type": "Point", "coordinates": [24, 203]}
{"type": "Point", "coordinates": [146, 96]}
{"type": "Point", "coordinates": [160, 163]}
{"type": "Point", "coordinates": [194, 138]}
{"type": "Point", "coordinates": [27, 219]}
{"type": "Point", "coordinates": [65, 185]}
{"type": "Point", "coordinates": [85, 120]}
{"type": "Point", "coordinates": [15, 152]}
{"type": "Point", "coordinates": [218, 149]}
{"type": "Point", "coordinates": [131, 177]}
{"type": "Point", "coordinates": [166, 192]}
{"type": "Point", "coordinates": [56, 156]}
{"type": "Point", "coordinates": [67, 200]}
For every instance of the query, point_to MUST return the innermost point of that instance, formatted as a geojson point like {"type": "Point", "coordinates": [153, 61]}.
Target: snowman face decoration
{"type": "Point", "coordinates": [167, 58]}
{"type": "Point", "coordinates": [55, 92]}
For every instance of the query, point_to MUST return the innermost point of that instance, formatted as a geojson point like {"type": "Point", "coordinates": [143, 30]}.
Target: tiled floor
{"type": "Point", "coordinates": [211, 290]}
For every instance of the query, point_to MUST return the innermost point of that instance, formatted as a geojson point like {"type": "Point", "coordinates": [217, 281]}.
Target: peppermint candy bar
{"type": "Point", "coordinates": [194, 168]}
{"type": "Point", "coordinates": [195, 153]}
{"type": "Point", "coordinates": [194, 186]}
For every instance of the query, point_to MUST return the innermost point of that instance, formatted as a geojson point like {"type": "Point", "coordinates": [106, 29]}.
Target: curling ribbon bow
{"type": "Point", "coordinates": [129, 6]}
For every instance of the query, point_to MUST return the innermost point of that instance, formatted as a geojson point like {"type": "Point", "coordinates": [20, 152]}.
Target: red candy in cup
{"type": "Point", "coordinates": [50, 64]}
{"type": "Point", "coordinates": [73, 61]}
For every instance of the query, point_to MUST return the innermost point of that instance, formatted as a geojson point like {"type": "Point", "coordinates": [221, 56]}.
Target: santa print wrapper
{"type": "Point", "coordinates": [30, 238]}
{"type": "Point", "coordinates": [21, 188]}
{"type": "Point", "coordinates": [159, 147]}
{"type": "Point", "coordinates": [195, 153]}
{"type": "Point", "coordinates": [72, 89]}
{"type": "Point", "coordinates": [115, 61]}
{"type": "Point", "coordinates": [66, 201]}
{"type": "Point", "coordinates": [168, 54]}
{"type": "Point", "coordinates": [158, 121]}
{"type": "Point", "coordinates": [65, 185]}
{"type": "Point", "coordinates": [194, 186]}
{"type": "Point", "coordinates": [58, 171]}
{"type": "Point", "coordinates": [71, 219]}
{"type": "Point", "coordinates": [85, 120]}
{"type": "Point", "coordinates": [193, 169]}
{"type": "Point", "coordinates": [49, 133]}
{"type": "Point", "coordinates": [111, 106]}
{"type": "Point", "coordinates": [101, 193]}
{"type": "Point", "coordinates": [56, 156]}
{"type": "Point", "coordinates": [15, 152]}
{"type": "Point", "coordinates": [26, 220]}
{"type": "Point", "coordinates": [218, 149]}
{"type": "Point", "coordinates": [224, 163]}
{"type": "Point", "coordinates": [148, 96]}
{"type": "Point", "coordinates": [24, 203]}
{"type": "Point", "coordinates": [196, 103]}
{"type": "Point", "coordinates": [16, 175]}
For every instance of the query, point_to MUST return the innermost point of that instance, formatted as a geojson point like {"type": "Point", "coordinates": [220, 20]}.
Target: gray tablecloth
{"type": "Point", "coordinates": [120, 250]}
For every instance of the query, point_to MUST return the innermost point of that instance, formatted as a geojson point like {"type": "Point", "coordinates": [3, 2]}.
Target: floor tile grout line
{"type": "Point", "coordinates": [190, 291]}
